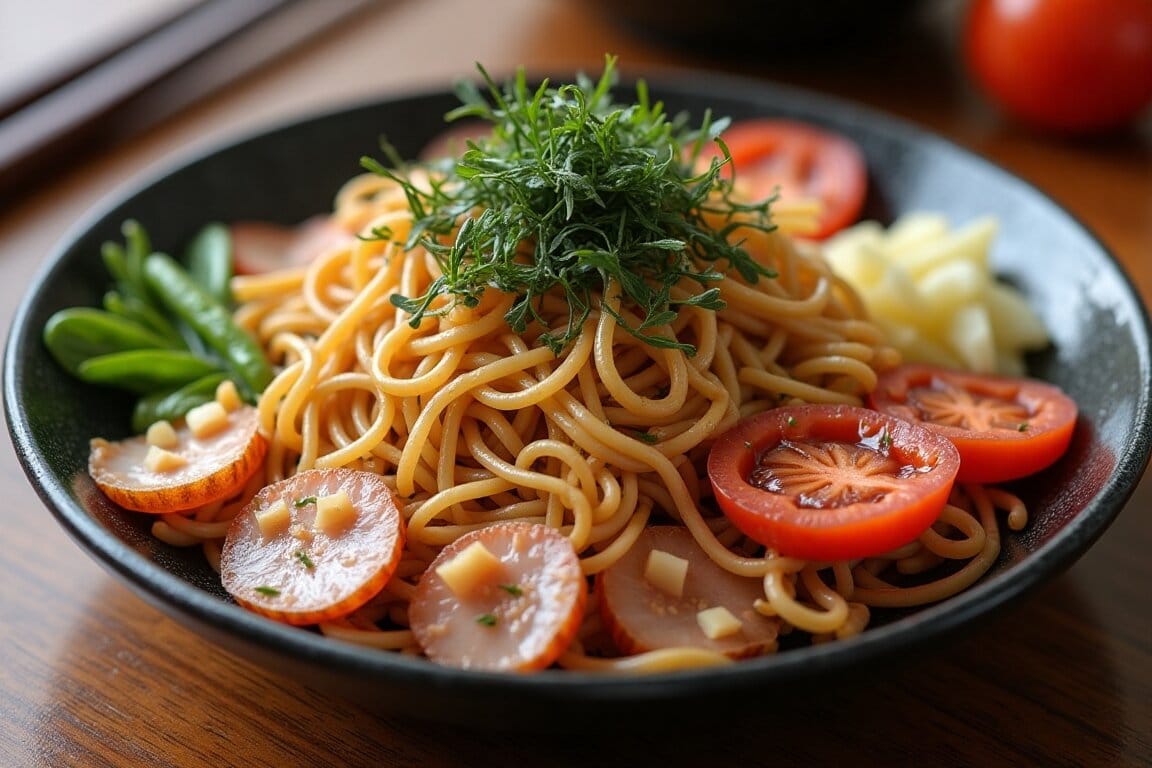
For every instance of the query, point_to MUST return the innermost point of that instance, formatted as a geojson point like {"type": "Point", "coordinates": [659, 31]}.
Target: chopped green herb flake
{"type": "Point", "coordinates": [748, 444]}
{"type": "Point", "coordinates": [646, 437]}
{"type": "Point", "coordinates": [268, 591]}
{"type": "Point", "coordinates": [603, 193]}
{"type": "Point", "coordinates": [1023, 426]}
{"type": "Point", "coordinates": [791, 421]}
{"type": "Point", "coordinates": [304, 501]}
{"type": "Point", "coordinates": [512, 589]}
{"type": "Point", "coordinates": [304, 559]}
{"type": "Point", "coordinates": [487, 619]}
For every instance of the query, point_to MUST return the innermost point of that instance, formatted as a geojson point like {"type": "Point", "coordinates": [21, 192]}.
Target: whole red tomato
{"type": "Point", "coordinates": [1075, 66]}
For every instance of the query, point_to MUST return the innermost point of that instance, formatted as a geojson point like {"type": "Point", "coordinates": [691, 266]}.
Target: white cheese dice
{"type": "Point", "coordinates": [207, 419]}
{"type": "Point", "coordinates": [718, 622]}
{"type": "Point", "coordinates": [334, 513]}
{"type": "Point", "coordinates": [474, 567]}
{"type": "Point", "coordinates": [227, 395]}
{"type": "Point", "coordinates": [666, 572]}
{"type": "Point", "coordinates": [162, 460]}
{"type": "Point", "coordinates": [273, 519]}
{"type": "Point", "coordinates": [162, 435]}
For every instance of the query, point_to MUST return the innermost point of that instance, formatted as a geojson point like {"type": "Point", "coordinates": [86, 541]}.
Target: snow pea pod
{"type": "Point", "coordinates": [211, 320]}
{"type": "Point", "coordinates": [76, 334]}
{"type": "Point", "coordinates": [145, 314]}
{"type": "Point", "coordinates": [209, 259]}
{"type": "Point", "coordinates": [145, 370]}
{"type": "Point", "coordinates": [126, 262]}
{"type": "Point", "coordinates": [173, 404]}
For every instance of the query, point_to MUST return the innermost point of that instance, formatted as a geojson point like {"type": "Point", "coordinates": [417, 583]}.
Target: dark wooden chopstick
{"type": "Point", "coordinates": [46, 133]}
{"type": "Point", "coordinates": [19, 93]}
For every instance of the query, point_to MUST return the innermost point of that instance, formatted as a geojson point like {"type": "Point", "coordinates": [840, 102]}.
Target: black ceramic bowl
{"type": "Point", "coordinates": [1100, 356]}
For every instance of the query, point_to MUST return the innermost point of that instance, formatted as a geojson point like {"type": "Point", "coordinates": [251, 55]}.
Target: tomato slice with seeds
{"type": "Point", "coordinates": [831, 482]}
{"type": "Point", "coordinates": [801, 161]}
{"type": "Point", "coordinates": [1004, 427]}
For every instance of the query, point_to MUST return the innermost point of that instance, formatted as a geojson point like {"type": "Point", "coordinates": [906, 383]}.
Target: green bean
{"type": "Point", "coordinates": [79, 333]}
{"type": "Point", "coordinates": [116, 262]}
{"type": "Point", "coordinates": [211, 320]}
{"type": "Point", "coordinates": [125, 262]}
{"type": "Point", "coordinates": [137, 247]}
{"type": "Point", "coordinates": [145, 370]}
{"type": "Point", "coordinates": [145, 314]}
{"type": "Point", "coordinates": [175, 403]}
{"type": "Point", "coordinates": [209, 259]}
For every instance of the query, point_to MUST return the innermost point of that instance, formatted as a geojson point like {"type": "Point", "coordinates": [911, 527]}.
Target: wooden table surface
{"type": "Point", "coordinates": [90, 675]}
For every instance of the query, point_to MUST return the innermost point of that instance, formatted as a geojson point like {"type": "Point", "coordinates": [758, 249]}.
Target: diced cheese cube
{"type": "Point", "coordinates": [162, 460]}
{"type": "Point", "coordinates": [912, 231]}
{"type": "Point", "coordinates": [666, 572]}
{"type": "Point", "coordinates": [227, 395]}
{"type": "Point", "coordinates": [943, 289]}
{"type": "Point", "coordinates": [1014, 321]}
{"type": "Point", "coordinates": [334, 513]}
{"type": "Point", "coordinates": [207, 419]}
{"type": "Point", "coordinates": [474, 567]}
{"type": "Point", "coordinates": [162, 435]}
{"type": "Point", "coordinates": [970, 334]}
{"type": "Point", "coordinates": [273, 519]}
{"type": "Point", "coordinates": [718, 622]}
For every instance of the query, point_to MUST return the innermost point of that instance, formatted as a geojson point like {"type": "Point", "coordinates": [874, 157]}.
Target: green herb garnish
{"type": "Point", "coordinates": [885, 440]}
{"type": "Point", "coordinates": [512, 589]}
{"type": "Point", "coordinates": [1023, 427]}
{"type": "Point", "coordinates": [487, 619]}
{"type": "Point", "coordinates": [575, 191]}
{"type": "Point", "coordinates": [304, 502]}
{"type": "Point", "coordinates": [304, 559]}
{"type": "Point", "coordinates": [268, 591]}
{"type": "Point", "coordinates": [646, 437]}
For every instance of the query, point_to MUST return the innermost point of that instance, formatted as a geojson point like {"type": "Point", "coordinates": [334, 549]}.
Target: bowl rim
{"type": "Point", "coordinates": [165, 589]}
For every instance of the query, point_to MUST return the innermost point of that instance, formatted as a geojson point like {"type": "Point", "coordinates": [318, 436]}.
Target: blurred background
{"type": "Point", "coordinates": [918, 59]}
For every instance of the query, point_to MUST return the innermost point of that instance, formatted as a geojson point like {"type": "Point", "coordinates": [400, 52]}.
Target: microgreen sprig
{"type": "Point", "coordinates": [575, 191]}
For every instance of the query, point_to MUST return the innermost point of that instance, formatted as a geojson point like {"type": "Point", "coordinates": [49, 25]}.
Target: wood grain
{"type": "Point", "coordinates": [92, 676]}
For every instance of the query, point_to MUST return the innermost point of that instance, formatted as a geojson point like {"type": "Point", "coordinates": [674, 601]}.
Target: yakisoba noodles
{"type": "Point", "coordinates": [473, 423]}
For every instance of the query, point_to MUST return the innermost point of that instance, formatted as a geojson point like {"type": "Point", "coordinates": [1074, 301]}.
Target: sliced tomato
{"type": "Point", "coordinates": [829, 482]}
{"type": "Point", "coordinates": [802, 162]}
{"type": "Point", "coordinates": [1005, 428]}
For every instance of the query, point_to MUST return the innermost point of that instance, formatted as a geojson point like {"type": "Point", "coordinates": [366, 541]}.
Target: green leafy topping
{"type": "Point", "coordinates": [573, 191]}
{"type": "Point", "coordinates": [512, 589]}
{"type": "Point", "coordinates": [1023, 427]}
{"type": "Point", "coordinates": [304, 559]}
{"type": "Point", "coordinates": [885, 439]}
{"type": "Point", "coordinates": [268, 591]}
{"type": "Point", "coordinates": [646, 437]}
{"type": "Point", "coordinates": [486, 619]}
{"type": "Point", "coordinates": [791, 421]}
{"type": "Point", "coordinates": [304, 502]}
